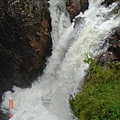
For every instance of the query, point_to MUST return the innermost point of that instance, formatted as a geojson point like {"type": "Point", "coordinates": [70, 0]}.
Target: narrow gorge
{"type": "Point", "coordinates": [43, 45]}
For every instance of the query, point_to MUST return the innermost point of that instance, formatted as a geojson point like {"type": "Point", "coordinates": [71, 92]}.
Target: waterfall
{"type": "Point", "coordinates": [48, 98]}
{"type": "Point", "coordinates": [60, 20]}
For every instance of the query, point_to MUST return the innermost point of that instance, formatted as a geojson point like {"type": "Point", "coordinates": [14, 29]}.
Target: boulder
{"type": "Point", "coordinates": [75, 7]}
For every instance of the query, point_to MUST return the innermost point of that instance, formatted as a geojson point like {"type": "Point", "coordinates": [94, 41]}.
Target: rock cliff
{"type": "Point", "coordinates": [25, 41]}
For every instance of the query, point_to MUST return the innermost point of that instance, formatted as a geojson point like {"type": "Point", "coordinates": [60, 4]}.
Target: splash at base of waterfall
{"type": "Point", "coordinates": [48, 98]}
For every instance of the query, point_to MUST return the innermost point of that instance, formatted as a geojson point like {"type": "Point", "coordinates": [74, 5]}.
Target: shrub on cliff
{"type": "Point", "coordinates": [100, 97]}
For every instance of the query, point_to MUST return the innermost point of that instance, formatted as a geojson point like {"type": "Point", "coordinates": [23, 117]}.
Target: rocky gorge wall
{"type": "Point", "coordinates": [25, 41]}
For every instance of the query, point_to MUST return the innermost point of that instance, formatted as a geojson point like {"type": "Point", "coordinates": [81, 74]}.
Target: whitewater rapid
{"type": "Point", "coordinates": [48, 98]}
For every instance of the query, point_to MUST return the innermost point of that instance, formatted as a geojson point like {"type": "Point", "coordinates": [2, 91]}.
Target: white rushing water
{"type": "Point", "coordinates": [48, 98]}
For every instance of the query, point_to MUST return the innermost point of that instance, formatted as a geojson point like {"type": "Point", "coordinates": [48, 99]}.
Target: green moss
{"type": "Point", "coordinates": [100, 97]}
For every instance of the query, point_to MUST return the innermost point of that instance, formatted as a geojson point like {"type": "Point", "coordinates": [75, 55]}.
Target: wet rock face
{"type": "Point", "coordinates": [108, 2]}
{"type": "Point", "coordinates": [25, 41]}
{"type": "Point", "coordinates": [114, 41]}
{"type": "Point", "coordinates": [113, 51]}
{"type": "Point", "coordinates": [76, 6]}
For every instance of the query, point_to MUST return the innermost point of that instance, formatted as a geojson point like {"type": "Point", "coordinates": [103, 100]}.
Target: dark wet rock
{"type": "Point", "coordinates": [113, 51]}
{"type": "Point", "coordinates": [113, 39]}
{"type": "Point", "coordinates": [84, 5]}
{"type": "Point", "coordinates": [72, 9]}
{"type": "Point", "coordinates": [118, 32]}
{"type": "Point", "coordinates": [106, 57]}
{"type": "Point", "coordinates": [108, 2]}
{"type": "Point", "coordinates": [25, 42]}
{"type": "Point", "coordinates": [75, 7]}
{"type": "Point", "coordinates": [4, 116]}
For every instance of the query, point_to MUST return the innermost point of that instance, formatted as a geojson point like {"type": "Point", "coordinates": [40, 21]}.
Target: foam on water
{"type": "Point", "coordinates": [48, 98]}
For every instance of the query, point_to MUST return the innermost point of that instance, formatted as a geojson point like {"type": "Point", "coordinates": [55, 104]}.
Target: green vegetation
{"type": "Point", "coordinates": [100, 97]}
